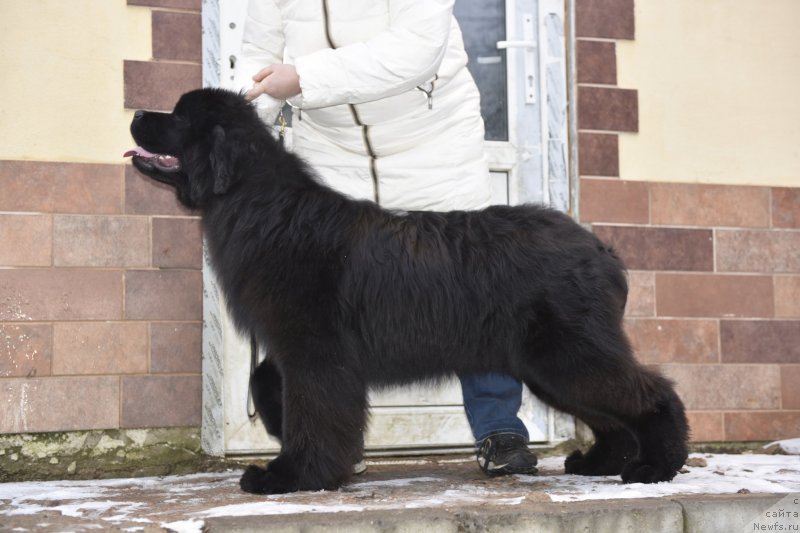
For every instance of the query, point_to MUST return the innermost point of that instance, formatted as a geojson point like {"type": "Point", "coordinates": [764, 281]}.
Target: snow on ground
{"type": "Point", "coordinates": [724, 474]}
{"type": "Point", "coordinates": [182, 503]}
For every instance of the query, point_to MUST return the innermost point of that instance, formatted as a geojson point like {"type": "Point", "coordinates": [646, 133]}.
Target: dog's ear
{"type": "Point", "coordinates": [223, 159]}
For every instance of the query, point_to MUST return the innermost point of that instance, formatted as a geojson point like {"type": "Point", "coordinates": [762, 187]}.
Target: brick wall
{"type": "Point", "coordinates": [100, 282]}
{"type": "Point", "coordinates": [714, 269]}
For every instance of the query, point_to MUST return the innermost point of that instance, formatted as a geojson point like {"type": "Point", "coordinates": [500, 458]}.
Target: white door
{"type": "Point", "coordinates": [516, 53]}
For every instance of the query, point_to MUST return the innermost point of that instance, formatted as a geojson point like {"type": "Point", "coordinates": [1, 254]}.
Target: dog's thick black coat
{"type": "Point", "coordinates": [347, 295]}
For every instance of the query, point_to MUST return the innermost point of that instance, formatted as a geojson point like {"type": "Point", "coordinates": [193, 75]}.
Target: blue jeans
{"type": "Point", "coordinates": [491, 402]}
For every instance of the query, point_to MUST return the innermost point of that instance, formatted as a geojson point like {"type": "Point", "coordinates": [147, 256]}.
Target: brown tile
{"type": "Point", "coordinates": [610, 200]}
{"type": "Point", "coordinates": [60, 295]}
{"type": "Point", "coordinates": [161, 401]}
{"type": "Point", "coordinates": [609, 19]}
{"type": "Point", "coordinates": [641, 294]}
{"type": "Point", "coordinates": [176, 347]}
{"type": "Point", "coordinates": [177, 36]}
{"type": "Point", "coordinates": [84, 348]}
{"type": "Point", "coordinates": [177, 243]}
{"type": "Point", "coordinates": [598, 154]}
{"type": "Point", "coordinates": [705, 426]}
{"type": "Point", "coordinates": [786, 207]}
{"type": "Point", "coordinates": [157, 85]}
{"type": "Point", "coordinates": [163, 295]}
{"type": "Point", "coordinates": [762, 425]}
{"type": "Point", "coordinates": [775, 251]}
{"type": "Point", "coordinates": [760, 341]}
{"type": "Point", "coordinates": [144, 196]}
{"type": "Point", "coordinates": [101, 241]}
{"type": "Point", "coordinates": [608, 109]}
{"type": "Point", "coordinates": [26, 240]}
{"type": "Point", "coordinates": [713, 295]}
{"type": "Point", "coordinates": [597, 62]}
{"type": "Point", "coordinates": [648, 248]}
{"type": "Point", "coordinates": [673, 341]}
{"type": "Point", "coordinates": [60, 187]}
{"type": "Point", "coordinates": [787, 296]}
{"type": "Point", "coordinates": [710, 387]}
{"type": "Point", "coordinates": [26, 350]}
{"type": "Point", "coordinates": [790, 386]}
{"type": "Point", "coordinates": [709, 205]}
{"type": "Point", "coordinates": [58, 404]}
{"type": "Point", "coordinates": [193, 5]}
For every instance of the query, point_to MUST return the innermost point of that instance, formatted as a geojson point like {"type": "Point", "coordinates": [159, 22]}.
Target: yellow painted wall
{"type": "Point", "coordinates": [719, 92]}
{"type": "Point", "coordinates": [61, 86]}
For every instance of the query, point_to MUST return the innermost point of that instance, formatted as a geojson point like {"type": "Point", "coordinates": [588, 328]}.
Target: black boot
{"type": "Point", "coordinates": [502, 454]}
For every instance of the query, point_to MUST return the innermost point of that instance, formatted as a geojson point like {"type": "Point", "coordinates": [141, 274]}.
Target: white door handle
{"type": "Point", "coordinates": [501, 45]}
{"type": "Point", "coordinates": [528, 46]}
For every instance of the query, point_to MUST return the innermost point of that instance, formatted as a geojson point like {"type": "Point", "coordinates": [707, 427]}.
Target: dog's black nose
{"type": "Point", "coordinates": [138, 114]}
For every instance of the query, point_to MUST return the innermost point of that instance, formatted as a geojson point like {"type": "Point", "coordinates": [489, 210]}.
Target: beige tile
{"type": "Point", "coordinates": [760, 341]}
{"type": "Point", "coordinates": [608, 109]}
{"type": "Point", "coordinates": [596, 62]}
{"type": "Point", "coordinates": [705, 426]}
{"type": "Point", "coordinates": [26, 240]}
{"type": "Point", "coordinates": [190, 5]}
{"type": "Point", "coordinates": [768, 251]}
{"type": "Point", "coordinates": [161, 401]}
{"type": "Point", "coordinates": [172, 78]}
{"type": "Point", "coordinates": [177, 36]}
{"type": "Point", "coordinates": [711, 387]}
{"type": "Point", "coordinates": [101, 241]}
{"type": "Point", "coordinates": [47, 294]}
{"type": "Point", "coordinates": [176, 347]}
{"type": "Point", "coordinates": [713, 295]}
{"type": "Point", "coordinates": [613, 200]}
{"type": "Point", "coordinates": [607, 19]}
{"type": "Point", "coordinates": [598, 154]}
{"type": "Point", "coordinates": [649, 248]}
{"type": "Point", "coordinates": [163, 295]}
{"type": "Point", "coordinates": [787, 296]}
{"type": "Point", "coordinates": [786, 207]}
{"type": "Point", "coordinates": [84, 348]}
{"type": "Point", "coordinates": [680, 204]}
{"type": "Point", "coordinates": [641, 294]}
{"type": "Point", "coordinates": [177, 243]}
{"type": "Point", "coordinates": [58, 404]}
{"type": "Point", "coordinates": [790, 386]}
{"type": "Point", "coordinates": [674, 341]}
{"type": "Point", "coordinates": [26, 350]}
{"type": "Point", "coordinates": [60, 187]}
{"type": "Point", "coordinates": [762, 426]}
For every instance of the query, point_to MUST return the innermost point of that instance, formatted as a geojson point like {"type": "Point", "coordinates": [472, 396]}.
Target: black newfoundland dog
{"type": "Point", "coordinates": [347, 295]}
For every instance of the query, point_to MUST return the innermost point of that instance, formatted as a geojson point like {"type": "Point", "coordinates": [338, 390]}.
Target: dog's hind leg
{"type": "Point", "coordinates": [324, 416]}
{"type": "Point", "coordinates": [266, 385]}
{"type": "Point", "coordinates": [662, 431]}
{"type": "Point", "coordinates": [595, 377]}
{"type": "Point", "coordinates": [614, 444]}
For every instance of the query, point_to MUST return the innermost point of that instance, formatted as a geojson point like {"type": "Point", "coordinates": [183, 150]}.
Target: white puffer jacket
{"type": "Point", "coordinates": [388, 110]}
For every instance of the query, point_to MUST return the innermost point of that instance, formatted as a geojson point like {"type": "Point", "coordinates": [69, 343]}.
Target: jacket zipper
{"type": "Point", "coordinates": [353, 111]}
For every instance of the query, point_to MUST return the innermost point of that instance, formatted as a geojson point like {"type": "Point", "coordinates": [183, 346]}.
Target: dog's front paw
{"type": "Point", "coordinates": [576, 464]}
{"type": "Point", "coordinates": [257, 480]}
{"type": "Point", "coordinates": [594, 464]}
{"type": "Point", "coordinates": [640, 472]}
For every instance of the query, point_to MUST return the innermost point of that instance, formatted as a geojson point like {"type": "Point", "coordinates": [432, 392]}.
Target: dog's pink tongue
{"type": "Point", "coordinates": [141, 152]}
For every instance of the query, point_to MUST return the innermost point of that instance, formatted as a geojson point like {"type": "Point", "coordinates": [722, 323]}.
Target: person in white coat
{"type": "Point", "coordinates": [386, 110]}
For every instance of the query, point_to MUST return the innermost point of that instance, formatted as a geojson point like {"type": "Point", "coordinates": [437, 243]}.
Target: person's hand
{"type": "Point", "coordinates": [279, 81]}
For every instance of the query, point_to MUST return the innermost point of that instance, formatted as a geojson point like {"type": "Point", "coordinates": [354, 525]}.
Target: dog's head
{"type": "Point", "coordinates": [199, 147]}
